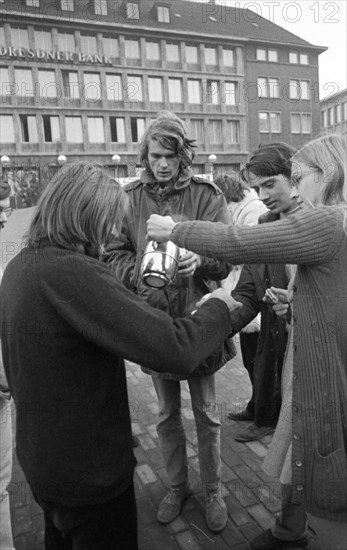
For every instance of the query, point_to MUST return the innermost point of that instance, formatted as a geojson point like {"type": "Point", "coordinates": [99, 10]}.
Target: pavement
{"type": "Point", "coordinates": [251, 496]}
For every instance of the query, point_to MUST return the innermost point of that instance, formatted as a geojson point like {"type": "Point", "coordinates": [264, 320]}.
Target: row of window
{"type": "Point", "coordinates": [73, 126]}
{"type": "Point", "coordinates": [131, 88]}
{"type": "Point", "coordinates": [298, 58]}
{"type": "Point", "coordinates": [270, 123]}
{"type": "Point", "coordinates": [99, 7]}
{"type": "Point", "coordinates": [66, 41]}
{"type": "Point", "coordinates": [334, 115]}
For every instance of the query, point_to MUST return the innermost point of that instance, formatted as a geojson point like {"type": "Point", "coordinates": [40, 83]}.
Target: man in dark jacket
{"type": "Point", "coordinates": [167, 186]}
{"type": "Point", "coordinates": [268, 172]}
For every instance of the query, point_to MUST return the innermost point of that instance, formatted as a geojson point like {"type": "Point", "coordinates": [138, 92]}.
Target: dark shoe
{"type": "Point", "coordinates": [216, 511]}
{"type": "Point", "coordinates": [266, 541]}
{"type": "Point", "coordinates": [171, 505]}
{"type": "Point", "coordinates": [136, 441]}
{"type": "Point", "coordinates": [253, 433]}
{"type": "Point", "coordinates": [240, 416]}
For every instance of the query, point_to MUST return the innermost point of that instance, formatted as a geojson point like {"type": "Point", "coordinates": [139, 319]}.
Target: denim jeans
{"type": "Point", "coordinates": [171, 433]}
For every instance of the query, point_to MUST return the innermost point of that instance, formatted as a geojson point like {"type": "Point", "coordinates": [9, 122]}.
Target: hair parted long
{"type": "Point", "coordinates": [81, 207]}
{"type": "Point", "coordinates": [168, 130]}
{"type": "Point", "coordinates": [329, 155]}
{"type": "Point", "coordinates": [271, 159]}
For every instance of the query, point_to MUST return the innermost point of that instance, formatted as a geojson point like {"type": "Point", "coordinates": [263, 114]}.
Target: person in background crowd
{"type": "Point", "coordinates": [6, 540]}
{"type": "Point", "coordinates": [314, 238]}
{"type": "Point", "coordinates": [167, 186]}
{"type": "Point", "coordinates": [66, 324]}
{"type": "Point", "coordinates": [268, 173]}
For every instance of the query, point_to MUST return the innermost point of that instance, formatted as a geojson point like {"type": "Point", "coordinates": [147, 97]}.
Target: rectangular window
{"type": "Point", "coordinates": [70, 84]}
{"type": "Point", "coordinates": [192, 54]}
{"type": "Point", "coordinates": [261, 54]}
{"type": "Point", "coordinates": [293, 57]}
{"type": "Point", "coordinates": [300, 123]}
{"type": "Point", "coordinates": [303, 59]}
{"type": "Point", "coordinates": [268, 87]}
{"type": "Point", "coordinates": [272, 56]}
{"type": "Point", "coordinates": [133, 11]}
{"type": "Point", "coordinates": [306, 123]}
{"type": "Point", "coordinates": [100, 7]}
{"type": "Point", "coordinates": [163, 14]}
{"type": "Point", "coordinates": [19, 38]}
{"type": "Point", "coordinates": [24, 80]}
{"type": "Point", "coordinates": [111, 46]}
{"type": "Point", "coordinates": [175, 90]}
{"type": "Point", "coordinates": [47, 84]}
{"type": "Point", "coordinates": [43, 40]}
{"type": "Point", "coordinates": [137, 126]}
{"type": "Point", "coordinates": [155, 89]}
{"type": "Point", "coordinates": [210, 56]}
{"type": "Point", "coordinates": [212, 92]}
{"type": "Point", "coordinates": [66, 42]}
{"type": "Point", "coordinates": [275, 123]}
{"type": "Point", "coordinates": [96, 132]}
{"type": "Point", "coordinates": [117, 127]}
{"type": "Point", "coordinates": [228, 58]}
{"type": "Point", "coordinates": [114, 87]}
{"type": "Point", "coordinates": [67, 5]}
{"type": "Point", "coordinates": [264, 123]}
{"type": "Point", "coordinates": [134, 88]}
{"type": "Point", "coordinates": [2, 36]}
{"type": "Point", "coordinates": [132, 49]}
{"type": "Point", "coordinates": [330, 116]}
{"type": "Point", "coordinates": [6, 129]}
{"type": "Point", "coordinates": [73, 127]}
{"type": "Point", "coordinates": [215, 132]}
{"type": "Point", "coordinates": [344, 105]}
{"type": "Point", "coordinates": [172, 53]}
{"type": "Point", "coordinates": [197, 130]}
{"type": "Point", "coordinates": [88, 44]}
{"type": "Point", "coordinates": [5, 86]}
{"type": "Point", "coordinates": [51, 128]}
{"type": "Point", "coordinates": [233, 131]}
{"type": "Point", "coordinates": [194, 91]}
{"type": "Point", "coordinates": [33, 3]}
{"type": "Point", "coordinates": [338, 114]}
{"type": "Point", "coordinates": [152, 51]}
{"type": "Point", "coordinates": [230, 93]}
{"type": "Point", "coordinates": [92, 86]}
{"type": "Point", "coordinates": [28, 128]}
{"type": "Point", "coordinates": [299, 89]}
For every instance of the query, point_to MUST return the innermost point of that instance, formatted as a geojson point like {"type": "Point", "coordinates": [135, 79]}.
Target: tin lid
{"type": "Point", "coordinates": [154, 280]}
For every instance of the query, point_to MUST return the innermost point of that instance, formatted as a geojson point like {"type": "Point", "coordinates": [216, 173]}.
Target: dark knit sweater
{"type": "Point", "coordinates": [315, 240]}
{"type": "Point", "coordinates": [66, 324]}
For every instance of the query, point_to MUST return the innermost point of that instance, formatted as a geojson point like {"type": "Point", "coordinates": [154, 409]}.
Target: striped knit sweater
{"type": "Point", "coordinates": [315, 240]}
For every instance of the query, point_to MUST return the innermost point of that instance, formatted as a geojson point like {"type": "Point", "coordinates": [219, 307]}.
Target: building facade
{"type": "Point", "coordinates": [83, 78]}
{"type": "Point", "coordinates": [334, 113]}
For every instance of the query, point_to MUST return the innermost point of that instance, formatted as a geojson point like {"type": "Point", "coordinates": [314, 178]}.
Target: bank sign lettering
{"type": "Point", "coordinates": [41, 55]}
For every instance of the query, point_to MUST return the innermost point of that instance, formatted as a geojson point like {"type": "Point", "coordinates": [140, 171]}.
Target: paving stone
{"type": "Point", "coordinates": [177, 525]}
{"type": "Point", "coordinates": [236, 512]}
{"type": "Point", "coordinates": [187, 541]}
{"type": "Point", "coordinates": [146, 474]}
{"type": "Point", "coordinates": [161, 539]}
{"type": "Point", "coordinates": [231, 535]}
{"type": "Point", "coordinates": [258, 448]}
{"type": "Point", "coordinates": [146, 442]}
{"type": "Point", "coordinates": [250, 530]}
{"type": "Point", "coordinates": [147, 512]}
{"type": "Point", "coordinates": [261, 515]}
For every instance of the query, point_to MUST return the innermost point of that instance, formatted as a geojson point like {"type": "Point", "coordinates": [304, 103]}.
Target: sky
{"type": "Point", "coordinates": [320, 22]}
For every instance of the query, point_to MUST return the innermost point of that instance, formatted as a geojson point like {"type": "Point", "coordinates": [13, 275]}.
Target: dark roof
{"type": "Point", "coordinates": [200, 19]}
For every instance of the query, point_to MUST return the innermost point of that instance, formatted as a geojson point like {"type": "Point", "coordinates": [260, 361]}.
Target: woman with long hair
{"type": "Point", "coordinates": [314, 238]}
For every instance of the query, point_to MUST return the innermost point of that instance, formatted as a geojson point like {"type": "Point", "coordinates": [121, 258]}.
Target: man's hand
{"type": "Point", "coordinates": [221, 295]}
{"type": "Point", "coordinates": [282, 306]}
{"type": "Point", "coordinates": [188, 264]}
{"type": "Point", "coordinates": [159, 228]}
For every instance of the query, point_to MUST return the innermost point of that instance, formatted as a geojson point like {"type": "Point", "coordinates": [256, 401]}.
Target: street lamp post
{"type": "Point", "coordinates": [61, 159]}
{"type": "Point", "coordinates": [116, 161]}
{"type": "Point", "coordinates": [209, 168]}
